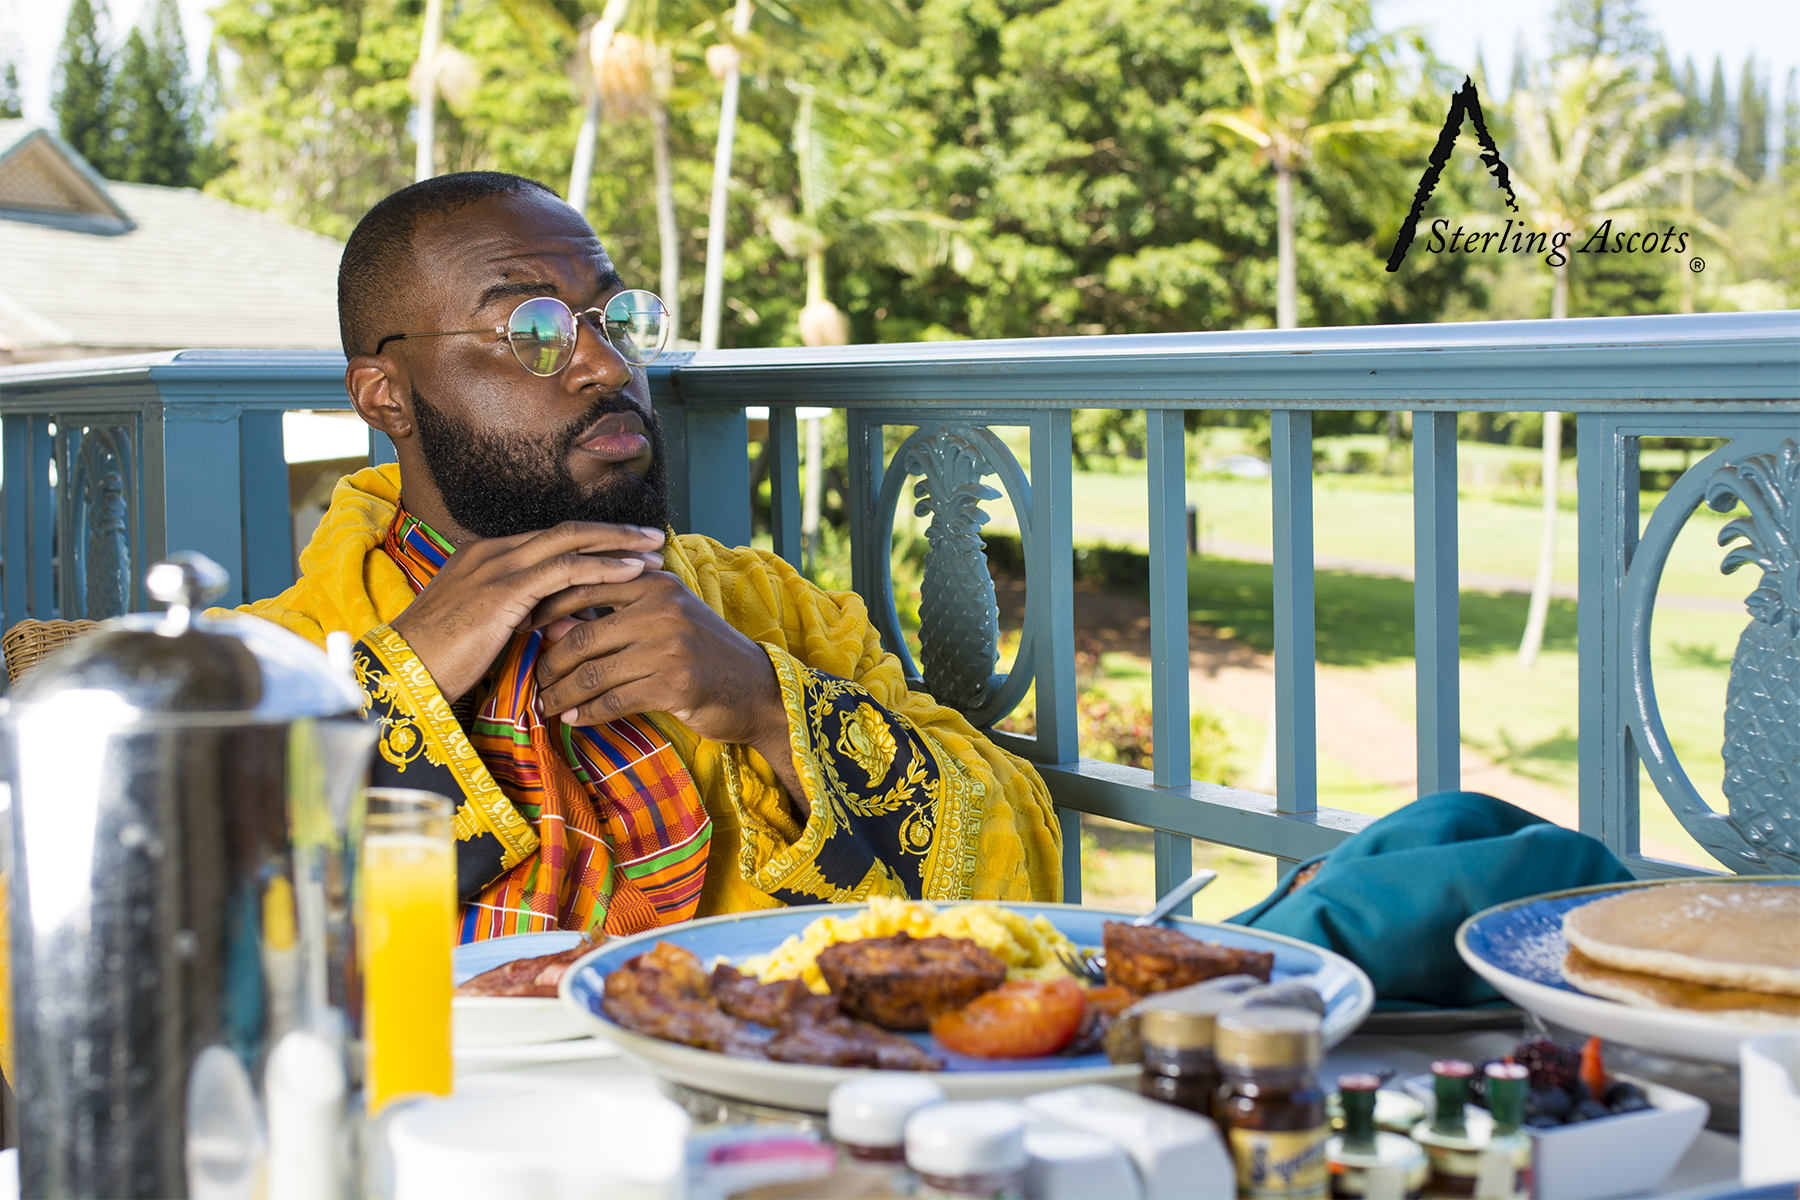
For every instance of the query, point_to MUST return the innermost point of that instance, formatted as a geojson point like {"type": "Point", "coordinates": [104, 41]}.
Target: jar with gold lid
{"type": "Point", "coordinates": [1179, 1067]}
{"type": "Point", "coordinates": [1270, 1104]}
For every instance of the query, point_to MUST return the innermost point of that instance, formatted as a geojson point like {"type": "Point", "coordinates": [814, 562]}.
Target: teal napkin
{"type": "Point", "coordinates": [1390, 898]}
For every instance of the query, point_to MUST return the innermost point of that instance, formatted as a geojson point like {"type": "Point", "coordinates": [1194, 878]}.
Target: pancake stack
{"type": "Point", "coordinates": [1726, 950]}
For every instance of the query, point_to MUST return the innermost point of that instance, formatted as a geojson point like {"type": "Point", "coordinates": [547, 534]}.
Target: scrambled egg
{"type": "Point", "coordinates": [1027, 945]}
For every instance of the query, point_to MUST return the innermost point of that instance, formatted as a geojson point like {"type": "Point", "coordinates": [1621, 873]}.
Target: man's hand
{"type": "Point", "coordinates": [661, 649]}
{"type": "Point", "coordinates": [489, 589]}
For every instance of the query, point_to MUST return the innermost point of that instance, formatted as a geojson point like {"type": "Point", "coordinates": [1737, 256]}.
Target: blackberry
{"type": "Point", "coordinates": [1588, 1110]}
{"type": "Point", "coordinates": [1550, 1065]}
{"type": "Point", "coordinates": [1624, 1097]}
{"type": "Point", "coordinates": [1553, 1103]}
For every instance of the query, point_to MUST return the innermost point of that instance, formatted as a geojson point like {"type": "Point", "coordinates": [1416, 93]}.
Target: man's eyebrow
{"type": "Point", "coordinates": [530, 287]}
{"type": "Point", "coordinates": [523, 287]}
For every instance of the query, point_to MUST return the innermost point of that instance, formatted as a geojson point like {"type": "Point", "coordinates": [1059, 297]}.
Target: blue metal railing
{"type": "Point", "coordinates": [202, 457]}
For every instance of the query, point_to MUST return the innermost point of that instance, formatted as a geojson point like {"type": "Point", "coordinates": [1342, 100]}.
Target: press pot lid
{"type": "Point", "coordinates": [182, 661]}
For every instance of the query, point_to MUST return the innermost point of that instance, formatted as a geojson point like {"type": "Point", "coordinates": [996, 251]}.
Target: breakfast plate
{"type": "Point", "coordinates": [1347, 993]}
{"type": "Point", "coordinates": [480, 1022]}
{"type": "Point", "coordinates": [1519, 948]}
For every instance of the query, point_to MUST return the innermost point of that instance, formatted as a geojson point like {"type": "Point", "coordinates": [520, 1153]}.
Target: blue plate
{"type": "Point", "coordinates": [1347, 992]}
{"type": "Point", "coordinates": [1519, 948]}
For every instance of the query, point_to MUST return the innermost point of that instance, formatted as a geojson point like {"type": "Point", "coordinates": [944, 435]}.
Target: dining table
{"type": "Point", "coordinates": [1709, 1170]}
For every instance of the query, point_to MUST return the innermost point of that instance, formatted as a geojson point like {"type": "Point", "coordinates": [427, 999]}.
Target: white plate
{"type": "Point", "coordinates": [1519, 948]}
{"type": "Point", "coordinates": [489, 1021]}
{"type": "Point", "coordinates": [1347, 991]}
{"type": "Point", "coordinates": [579, 1049]}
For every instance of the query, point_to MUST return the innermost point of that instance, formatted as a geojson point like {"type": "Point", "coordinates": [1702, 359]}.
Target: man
{"type": "Point", "coordinates": [638, 728]}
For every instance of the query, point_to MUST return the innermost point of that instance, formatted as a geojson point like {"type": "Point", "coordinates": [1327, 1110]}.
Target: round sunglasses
{"type": "Point", "coordinates": [542, 330]}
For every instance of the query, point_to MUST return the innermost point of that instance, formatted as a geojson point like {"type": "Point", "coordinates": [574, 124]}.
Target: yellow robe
{"type": "Point", "coordinates": [988, 832]}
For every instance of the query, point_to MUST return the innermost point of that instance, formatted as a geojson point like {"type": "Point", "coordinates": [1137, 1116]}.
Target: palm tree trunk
{"type": "Point", "coordinates": [425, 156]}
{"type": "Point", "coordinates": [668, 234]}
{"type": "Point", "coordinates": [1533, 641]}
{"type": "Point", "coordinates": [712, 296]}
{"type": "Point", "coordinates": [582, 170]}
{"type": "Point", "coordinates": [1286, 302]}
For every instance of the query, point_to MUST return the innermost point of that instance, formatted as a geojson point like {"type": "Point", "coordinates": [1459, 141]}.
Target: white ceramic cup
{"type": "Point", "coordinates": [1769, 1100]}
{"type": "Point", "coordinates": [491, 1146]}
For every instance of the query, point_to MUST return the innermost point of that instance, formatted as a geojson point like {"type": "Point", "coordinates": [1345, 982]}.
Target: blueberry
{"type": "Point", "coordinates": [1542, 1121]}
{"type": "Point", "coordinates": [1625, 1097]}
{"type": "Point", "coordinates": [1579, 1091]}
{"type": "Point", "coordinates": [1552, 1102]}
{"type": "Point", "coordinates": [1588, 1110]}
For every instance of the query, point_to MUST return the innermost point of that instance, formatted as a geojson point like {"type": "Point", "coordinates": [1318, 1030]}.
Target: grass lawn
{"type": "Point", "coordinates": [1525, 720]}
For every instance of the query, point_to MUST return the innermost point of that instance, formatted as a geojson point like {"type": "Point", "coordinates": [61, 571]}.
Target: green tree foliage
{"type": "Point", "coordinates": [1752, 122]}
{"type": "Point", "coordinates": [153, 108]}
{"type": "Point", "coordinates": [84, 96]}
{"type": "Point", "coordinates": [1718, 105]}
{"type": "Point", "coordinates": [12, 103]}
{"type": "Point", "coordinates": [1617, 29]}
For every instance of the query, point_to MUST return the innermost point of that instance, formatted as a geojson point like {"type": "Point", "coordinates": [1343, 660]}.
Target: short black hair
{"type": "Point", "coordinates": [378, 257]}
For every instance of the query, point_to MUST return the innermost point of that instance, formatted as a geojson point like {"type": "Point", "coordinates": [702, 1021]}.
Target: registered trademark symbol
{"type": "Point", "coordinates": [1696, 265]}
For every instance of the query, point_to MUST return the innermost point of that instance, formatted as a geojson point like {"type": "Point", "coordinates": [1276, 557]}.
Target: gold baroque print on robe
{"type": "Point", "coordinates": [878, 795]}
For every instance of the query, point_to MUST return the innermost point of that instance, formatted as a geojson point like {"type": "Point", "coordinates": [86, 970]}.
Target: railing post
{"type": "Point", "coordinates": [1606, 465]}
{"type": "Point", "coordinates": [784, 482]}
{"type": "Point", "coordinates": [15, 433]}
{"type": "Point", "coordinates": [1050, 611]}
{"type": "Point", "coordinates": [41, 518]}
{"type": "Point", "coordinates": [203, 508]}
{"type": "Point", "coordinates": [1436, 640]}
{"type": "Point", "coordinates": [1296, 709]}
{"type": "Point", "coordinates": [1166, 449]}
{"type": "Point", "coordinates": [715, 484]}
{"type": "Point", "coordinates": [868, 462]}
{"type": "Point", "coordinates": [268, 525]}
{"type": "Point", "coordinates": [381, 448]}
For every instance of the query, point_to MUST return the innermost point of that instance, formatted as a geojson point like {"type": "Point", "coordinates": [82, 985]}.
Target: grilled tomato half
{"type": "Point", "coordinates": [1023, 1019]}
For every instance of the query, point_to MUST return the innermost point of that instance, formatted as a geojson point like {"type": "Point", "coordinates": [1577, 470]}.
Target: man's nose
{"type": "Point", "coordinates": [595, 362]}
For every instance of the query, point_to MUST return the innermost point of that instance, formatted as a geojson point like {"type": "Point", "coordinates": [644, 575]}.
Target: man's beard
{"type": "Point", "coordinates": [496, 484]}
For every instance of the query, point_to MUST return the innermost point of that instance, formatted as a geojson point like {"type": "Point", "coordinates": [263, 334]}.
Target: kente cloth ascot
{"type": "Point", "coordinates": [622, 828]}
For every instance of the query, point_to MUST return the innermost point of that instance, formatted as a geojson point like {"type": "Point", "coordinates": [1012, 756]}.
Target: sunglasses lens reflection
{"type": "Point", "coordinates": [637, 324]}
{"type": "Point", "coordinates": [542, 331]}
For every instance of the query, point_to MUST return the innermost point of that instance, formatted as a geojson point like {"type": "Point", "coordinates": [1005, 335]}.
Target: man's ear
{"type": "Point", "coordinates": [380, 395]}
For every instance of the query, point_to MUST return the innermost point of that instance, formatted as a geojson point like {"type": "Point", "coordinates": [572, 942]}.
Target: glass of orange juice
{"type": "Point", "coordinates": [406, 930]}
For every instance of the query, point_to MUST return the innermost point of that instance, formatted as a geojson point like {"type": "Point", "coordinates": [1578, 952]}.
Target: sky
{"type": "Point", "coordinates": [32, 30]}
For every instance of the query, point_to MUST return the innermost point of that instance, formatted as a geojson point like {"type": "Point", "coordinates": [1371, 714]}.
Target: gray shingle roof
{"type": "Point", "coordinates": [195, 271]}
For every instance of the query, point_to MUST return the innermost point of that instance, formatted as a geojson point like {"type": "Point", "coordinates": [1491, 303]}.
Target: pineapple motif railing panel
{"type": "Point", "coordinates": [959, 629]}
{"type": "Point", "coordinates": [1760, 831]}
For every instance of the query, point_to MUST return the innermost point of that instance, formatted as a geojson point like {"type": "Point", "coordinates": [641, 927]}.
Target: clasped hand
{"type": "Point", "coordinates": [659, 649]}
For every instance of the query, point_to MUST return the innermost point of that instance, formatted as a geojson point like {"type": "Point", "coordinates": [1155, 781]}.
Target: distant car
{"type": "Point", "coordinates": [1244, 466]}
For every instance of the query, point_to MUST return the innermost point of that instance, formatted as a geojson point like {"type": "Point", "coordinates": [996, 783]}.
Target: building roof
{"type": "Point", "coordinates": [98, 267]}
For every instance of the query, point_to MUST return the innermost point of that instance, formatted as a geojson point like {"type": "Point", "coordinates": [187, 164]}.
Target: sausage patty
{"type": "Point", "coordinates": [903, 982]}
{"type": "Point", "coordinates": [1150, 958]}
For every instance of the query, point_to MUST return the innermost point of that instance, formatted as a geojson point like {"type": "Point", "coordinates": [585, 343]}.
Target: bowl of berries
{"type": "Point", "coordinates": [1594, 1134]}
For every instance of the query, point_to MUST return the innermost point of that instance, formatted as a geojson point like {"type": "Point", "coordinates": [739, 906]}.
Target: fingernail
{"type": "Point", "coordinates": [568, 718]}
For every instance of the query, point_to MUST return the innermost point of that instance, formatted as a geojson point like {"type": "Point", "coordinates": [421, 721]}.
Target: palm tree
{"type": "Point", "coordinates": [635, 74]}
{"type": "Point", "coordinates": [723, 60]}
{"type": "Point", "coordinates": [1579, 161]}
{"type": "Point", "coordinates": [850, 166]}
{"type": "Point", "coordinates": [1324, 90]}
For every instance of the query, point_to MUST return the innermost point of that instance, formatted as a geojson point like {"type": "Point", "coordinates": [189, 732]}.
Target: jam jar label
{"type": "Point", "coordinates": [1281, 1166]}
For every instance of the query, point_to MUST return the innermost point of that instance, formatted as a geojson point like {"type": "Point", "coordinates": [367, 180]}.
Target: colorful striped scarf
{"type": "Point", "coordinates": [622, 828]}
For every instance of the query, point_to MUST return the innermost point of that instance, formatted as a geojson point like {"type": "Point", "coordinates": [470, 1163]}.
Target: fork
{"type": "Point", "coordinates": [1090, 965]}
